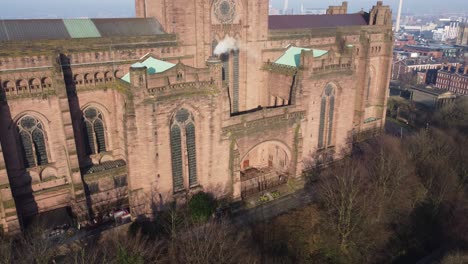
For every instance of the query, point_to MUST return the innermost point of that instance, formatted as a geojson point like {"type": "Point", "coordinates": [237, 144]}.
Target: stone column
{"type": "Point", "coordinates": [8, 214]}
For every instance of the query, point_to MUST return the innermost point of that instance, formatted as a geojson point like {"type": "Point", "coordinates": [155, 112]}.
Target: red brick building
{"type": "Point", "coordinates": [455, 81]}
{"type": "Point", "coordinates": [97, 114]}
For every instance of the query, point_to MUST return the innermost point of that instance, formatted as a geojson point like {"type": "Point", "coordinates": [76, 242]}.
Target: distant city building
{"type": "Point", "coordinates": [462, 38]}
{"type": "Point", "coordinates": [313, 11]}
{"type": "Point", "coordinates": [404, 40]}
{"type": "Point", "coordinates": [401, 68]}
{"type": "Point", "coordinates": [430, 97]}
{"type": "Point", "coordinates": [453, 79]}
{"type": "Point", "coordinates": [447, 31]}
{"type": "Point", "coordinates": [274, 11]}
{"type": "Point", "coordinates": [435, 51]}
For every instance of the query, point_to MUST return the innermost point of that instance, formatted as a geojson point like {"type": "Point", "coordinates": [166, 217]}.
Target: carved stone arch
{"type": "Point", "coordinates": [268, 163]}
{"type": "Point", "coordinates": [278, 142]}
{"type": "Point", "coordinates": [35, 85]}
{"type": "Point", "coordinates": [88, 78]}
{"type": "Point", "coordinates": [78, 78]}
{"type": "Point", "coordinates": [197, 116]}
{"type": "Point", "coordinates": [95, 129]}
{"type": "Point", "coordinates": [331, 86]}
{"type": "Point", "coordinates": [118, 74]}
{"type": "Point", "coordinates": [328, 115]}
{"type": "Point", "coordinates": [103, 109]}
{"type": "Point", "coordinates": [33, 138]}
{"type": "Point", "coordinates": [99, 77]}
{"type": "Point", "coordinates": [46, 82]}
{"type": "Point", "coordinates": [22, 86]}
{"type": "Point", "coordinates": [182, 136]}
{"type": "Point", "coordinates": [45, 121]}
{"type": "Point", "coordinates": [108, 76]}
{"type": "Point", "coordinates": [9, 87]}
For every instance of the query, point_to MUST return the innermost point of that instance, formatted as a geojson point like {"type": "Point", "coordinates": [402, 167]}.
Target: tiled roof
{"type": "Point", "coordinates": [292, 56]}
{"type": "Point", "coordinates": [46, 29]}
{"type": "Point", "coordinates": [108, 165]}
{"type": "Point", "coordinates": [153, 66]}
{"type": "Point", "coordinates": [284, 22]}
{"type": "Point", "coordinates": [81, 28]}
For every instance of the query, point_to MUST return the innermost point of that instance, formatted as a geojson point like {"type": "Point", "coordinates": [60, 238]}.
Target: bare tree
{"type": "Point", "coordinates": [118, 247]}
{"type": "Point", "coordinates": [35, 246]}
{"type": "Point", "coordinates": [342, 192]}
{"type": "Point", "coordinates": [6, 250]}
{"type": "Point", "coordinates": [213, 242]}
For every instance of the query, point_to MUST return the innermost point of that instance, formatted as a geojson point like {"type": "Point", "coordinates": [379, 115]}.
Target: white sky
{"type": "Point", "coordinates": [125, 8]}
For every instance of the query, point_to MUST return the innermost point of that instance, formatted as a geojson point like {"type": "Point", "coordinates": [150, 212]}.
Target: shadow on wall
{"type": "Point", "coordinates": [19, 177]}
{"type": "Point", "coordinates": [77, 121]}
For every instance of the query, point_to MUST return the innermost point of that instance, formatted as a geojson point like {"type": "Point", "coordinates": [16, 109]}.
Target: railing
{"type": "Point", "coordinates": [333, 67]}
{"type": "Point", "coordinates": [263, 186]}
{"type": "Point", "coordinates": [180, 86]}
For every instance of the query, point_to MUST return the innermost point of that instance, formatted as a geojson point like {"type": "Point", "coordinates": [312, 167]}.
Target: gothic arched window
{"type": "Point", "coordinates": [95, 139]}
{"type": "Point", "coordinates": [183, 131]}
{"type": "Point", "coordinates": [33, 143]}
{"type": "Point", "coordinates": [327, 112]}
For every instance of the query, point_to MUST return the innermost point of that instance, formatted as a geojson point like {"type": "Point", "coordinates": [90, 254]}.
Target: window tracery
{"type": "Point", "coordinates": [183, 131]}
{"type": "Point", "coordinates": [94, 131]}
{"type": "Point", "coordinates": [33, 142]}
{"type": "Point", "coordinates": [327, 112]}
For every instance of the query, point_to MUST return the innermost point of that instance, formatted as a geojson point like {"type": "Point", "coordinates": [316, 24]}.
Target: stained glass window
{"type": "Point", "coordinates": [183, 122]}
{"type": "Point", "coordinates": [192, 154]}
{"type": "Point", "coordinates": [182, 115]}
{"type": "Point", "coordinates": [28, 151]}
{"type": "Point", "coordinates": [94, 131]}
{"type": "Point", "coordinates": [33, 144]}
{"type": "Point", "coordinates": [330, 118]}
{"type": "Point", "coordinates": [323, 109]}
{"type": "Point", "coordinates": [176, 153]}
{"type": "Point", "coordinates": [327, 111]}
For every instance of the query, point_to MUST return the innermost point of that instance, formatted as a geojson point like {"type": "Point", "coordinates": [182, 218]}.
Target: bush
{"type": "Point", "coordinates": [202, 206]}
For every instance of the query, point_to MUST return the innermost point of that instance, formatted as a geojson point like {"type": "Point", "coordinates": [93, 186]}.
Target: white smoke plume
{"type": "Point", "coordinates": [226, 45]}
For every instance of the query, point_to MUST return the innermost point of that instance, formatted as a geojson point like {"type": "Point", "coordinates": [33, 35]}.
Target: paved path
{"type": "Point", "coordinates": [243, 216]}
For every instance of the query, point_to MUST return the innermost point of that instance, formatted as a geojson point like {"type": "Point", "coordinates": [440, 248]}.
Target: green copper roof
{"type": "Point", "coordinates": [138, 65]}
{"type": "Point", "coordinates": [81, 28]}
{"type": "Point", "coordinates": [154, 66]}
{"type": "Point", "coordinates": [292, 56]}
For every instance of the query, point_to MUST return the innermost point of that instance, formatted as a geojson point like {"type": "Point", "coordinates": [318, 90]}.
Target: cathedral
{"type": "Point", "coordinates": [188, 96]}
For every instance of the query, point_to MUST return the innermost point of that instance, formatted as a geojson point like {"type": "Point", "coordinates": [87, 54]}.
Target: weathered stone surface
{"type": "Point", "coordinates": [276, 124]}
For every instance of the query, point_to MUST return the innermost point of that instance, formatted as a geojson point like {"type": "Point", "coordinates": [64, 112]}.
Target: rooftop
{"type": "Point", "coordinates": [284, 22]}
{"type": "Point", "coordinates": [153, 66]}
{"type": "Point", "coordinates": [292, 56]}
{"type": "Point", "coordinates": [51, 29]}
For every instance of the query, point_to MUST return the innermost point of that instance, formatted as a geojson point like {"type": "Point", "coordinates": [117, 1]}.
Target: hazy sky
{"type": "Point", "coordinates": [125, 8]}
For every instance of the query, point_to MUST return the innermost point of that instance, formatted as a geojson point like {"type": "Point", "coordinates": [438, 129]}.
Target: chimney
{"type": "Point", "coordinates": [458, 68]}
{"type": "Point", "coordinates": [449, 67]}
{"type": "Point", "coordinates": [397, 27]}
{"type": "Point", "coordinates": [285, 7]}
{"type": "Point", "coordinates": [465, 71]}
